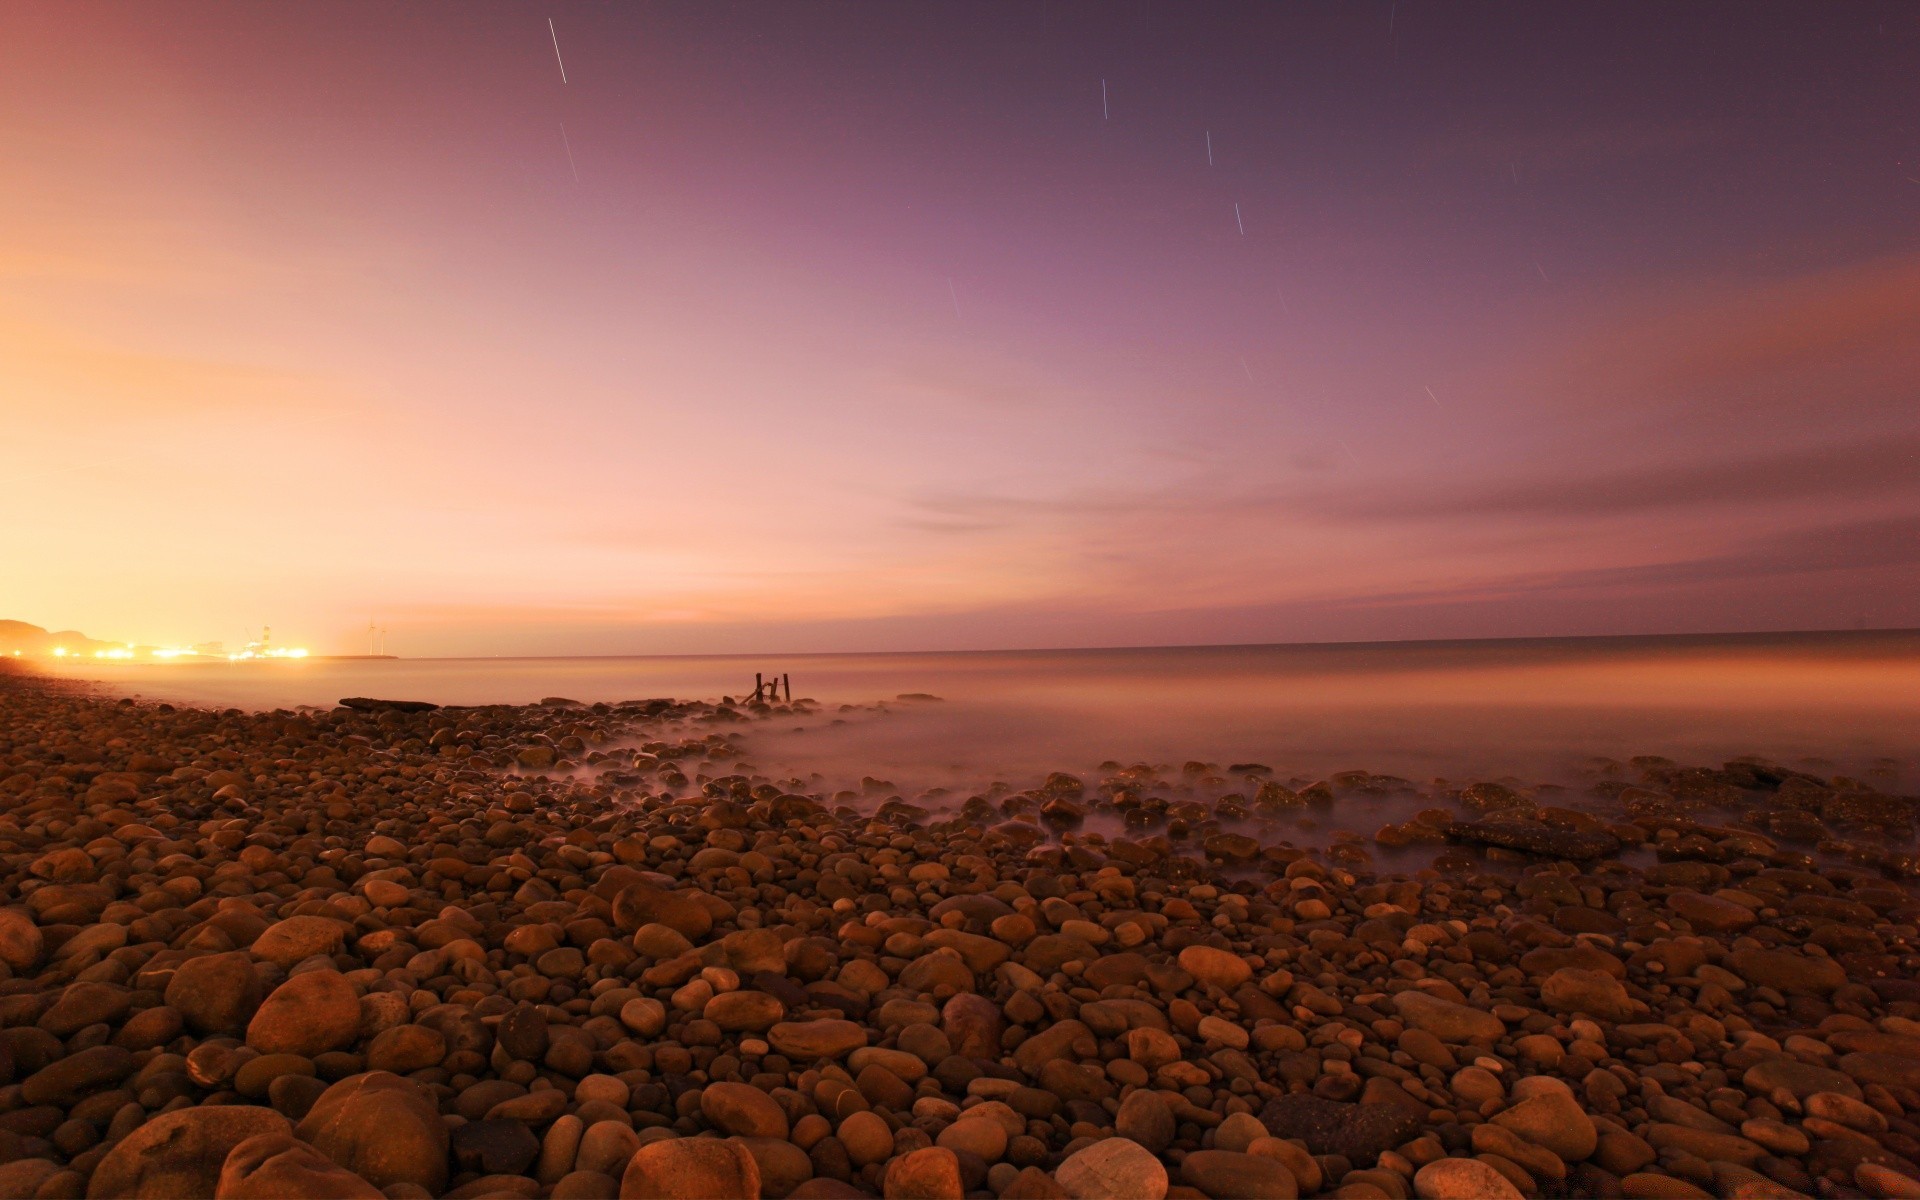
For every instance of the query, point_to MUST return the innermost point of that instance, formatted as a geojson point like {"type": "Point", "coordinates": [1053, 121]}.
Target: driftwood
{"type": "Point", "coordinates": [765, 689]}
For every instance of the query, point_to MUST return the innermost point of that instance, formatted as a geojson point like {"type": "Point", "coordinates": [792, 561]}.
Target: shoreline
{"type": "Point", "coordinates": [574, 951]}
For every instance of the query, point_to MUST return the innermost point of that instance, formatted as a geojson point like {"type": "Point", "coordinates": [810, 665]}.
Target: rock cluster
{"type": "Point", "coordinates": [575, 951]}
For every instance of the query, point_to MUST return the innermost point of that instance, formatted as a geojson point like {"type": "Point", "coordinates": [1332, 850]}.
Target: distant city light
{"type": "Point", "coordinates": [205, 652]}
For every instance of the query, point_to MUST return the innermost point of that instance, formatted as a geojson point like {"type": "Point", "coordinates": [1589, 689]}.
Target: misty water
{"type": "Point", "coordinates": [1524, 710]}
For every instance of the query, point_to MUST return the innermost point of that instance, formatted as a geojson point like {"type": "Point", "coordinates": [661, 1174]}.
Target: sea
{"type": "Point", "coordinates": [1552, 710]}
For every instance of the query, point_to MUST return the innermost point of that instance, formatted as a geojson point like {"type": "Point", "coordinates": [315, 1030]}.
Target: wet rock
{"type": "Point", "coordinates": [1535, 838]}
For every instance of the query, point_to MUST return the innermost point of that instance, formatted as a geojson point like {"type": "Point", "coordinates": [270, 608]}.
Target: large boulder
{"type": "Point", "coordinates": [381, 1127]}
{"type": "Point", "coordinates": [179, 1155]}
{"type": "Point", "coordinates": [279, 1166]}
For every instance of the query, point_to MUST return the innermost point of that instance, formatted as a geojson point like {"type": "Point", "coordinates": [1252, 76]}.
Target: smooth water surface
{"type": "Point", "coordinates": [1533, 709]}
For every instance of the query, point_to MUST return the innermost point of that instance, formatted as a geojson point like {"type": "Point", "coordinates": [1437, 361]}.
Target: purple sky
{"type": "Point", "coordinates": [864, 327]}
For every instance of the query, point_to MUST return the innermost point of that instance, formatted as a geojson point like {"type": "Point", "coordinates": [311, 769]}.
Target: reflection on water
{"type": "Point", "coordinates": [1532, 709]}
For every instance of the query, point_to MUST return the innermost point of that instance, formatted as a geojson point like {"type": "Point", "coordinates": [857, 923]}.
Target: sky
{"type": "Point", "coordinates": [583, 328]}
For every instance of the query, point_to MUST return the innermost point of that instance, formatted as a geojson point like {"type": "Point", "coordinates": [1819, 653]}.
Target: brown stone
{"type": "Point", "coordinates": [1786, 971]}
{"type": "Point", "coordinates": [278, 1166]}
{"type": "Point", "coordinates": [1446, 1020]}
{"type": "Point", "coordinates": [309, 1014]}
{"type": "Point", "coordinates": [809, 1040]}
{"type": "Point", "coordinates": [1113, 1167]}
{"type": "Point", "coordinates": [406, 1048]}
{"type": "Point", "coordinates": [932, 1173]}
{"type": "Point", "coordinates": [1551, 1118]}
{"type": "Point", "coordinates": [382, 1127]}
{"type": "Point", "coordinates": [21, 942]}
{"type": "Point", "coordinates": [744, 1012]}
{"type": "Point", "coordinates": [297, 939]}
{"type": "Point", "coordinates": [1226, 1175]}
{"type": "Point", "coordinates": [691, 1169]}
{"type": "Point", "coordinates": [1215, 968]}
{"type": "Point", "coordinates": [179, 1155]}
{"type": "Point", "coordinates": [1571, 990]}
{"type": "Point", "coordinates": [741, 1110]}
{"type": "Point", "coordinates": [215, 993]}
{"type": "Point", "coordinates": [641, 903]}
{"type": "Point", "coordinates": [1462, 1179]}
{"type": "Point", "coordinates": [973, 1025]}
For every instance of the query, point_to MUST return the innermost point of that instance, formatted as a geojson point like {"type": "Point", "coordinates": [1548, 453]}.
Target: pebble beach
{"type": "Point", "coordinates": [586, 951]}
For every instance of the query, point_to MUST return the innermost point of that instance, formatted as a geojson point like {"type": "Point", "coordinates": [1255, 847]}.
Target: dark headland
{"type": "Point", "coordinates": [575, 951]}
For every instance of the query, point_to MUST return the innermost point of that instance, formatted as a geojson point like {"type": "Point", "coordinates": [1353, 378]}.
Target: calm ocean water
{"type": "Point", "coordinates": [1537, 710]}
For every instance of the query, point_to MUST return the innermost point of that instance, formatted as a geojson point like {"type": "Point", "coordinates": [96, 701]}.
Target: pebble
{"type": "Point", "coordinates": [1115, 1168]}
{"type": "Point", "coordinates": [1462, 1179]}
{"type": "Point", "coordinates": [569, 950]}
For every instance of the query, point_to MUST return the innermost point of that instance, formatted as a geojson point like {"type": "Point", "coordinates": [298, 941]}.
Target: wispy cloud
{"type": "Point", "coordinates": [1865, 469]}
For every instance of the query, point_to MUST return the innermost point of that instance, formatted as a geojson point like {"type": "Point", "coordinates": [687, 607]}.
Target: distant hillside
{"type": "Point", "coordinates": [31, 641]}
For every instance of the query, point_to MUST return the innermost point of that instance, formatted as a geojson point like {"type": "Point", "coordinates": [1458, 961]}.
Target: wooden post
{"type": "Point", "coordinates": [758, 687]}
{"type": "Point", "coordinates": [788, 684]}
